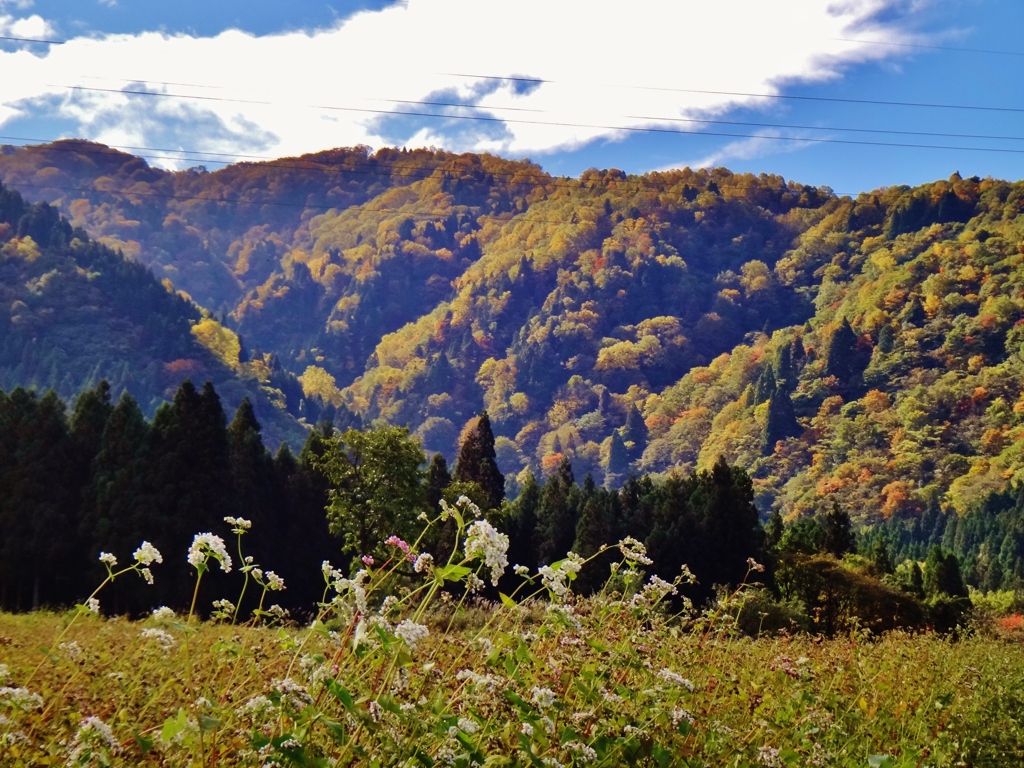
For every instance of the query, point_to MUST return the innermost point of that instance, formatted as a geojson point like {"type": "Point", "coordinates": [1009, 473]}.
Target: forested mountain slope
{"type": "Point", "coordinates": [75, 312]}
{"type": "Point", "coordinates": [861, 351]}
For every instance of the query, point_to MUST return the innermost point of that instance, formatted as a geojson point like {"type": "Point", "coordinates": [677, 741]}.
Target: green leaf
{"type": "Point", "coordinates": [342, 695]}
{"type": "Point", "coordinates": [173, 726]}
{"type": "Point", "coordinates": [145, 742]}
{"type": "Point", "coordinates": [207, 723]}
{"type": "Point", "coordinates": [452, 573]}
{"type": "Point", "coordinates": [507, 601]}
{"type": "Point", "coordinates": [880, 761]}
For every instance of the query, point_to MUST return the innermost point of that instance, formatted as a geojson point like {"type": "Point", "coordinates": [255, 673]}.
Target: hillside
{"type": "Point", "coordinates": [77, 312]}
{"type": "Point", "coordinates": [861, 351]}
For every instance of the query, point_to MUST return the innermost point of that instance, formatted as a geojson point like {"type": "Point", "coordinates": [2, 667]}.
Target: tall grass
{"type": "Point", "coordinates": [396, 671]}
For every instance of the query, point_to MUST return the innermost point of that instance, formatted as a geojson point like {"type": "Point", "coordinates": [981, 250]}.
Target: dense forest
{"type": "Point", "coordinates": [356, 497]}
{"type": "Point", "coordinates": [858, 353]}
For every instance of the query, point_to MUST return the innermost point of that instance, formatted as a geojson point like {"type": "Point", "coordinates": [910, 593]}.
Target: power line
{"type": "Point", "coordinates": [875, 102]}
{"type": "Point", "coordinates": [628, 129]}
{"type": "Point", "coordinates": [655, 118]}
{"type": "Point", "coordinates": [33, 40]}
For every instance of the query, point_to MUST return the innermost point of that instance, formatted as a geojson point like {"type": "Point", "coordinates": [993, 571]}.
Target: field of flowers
{"type": "Point", "coordinates": [397, 671]}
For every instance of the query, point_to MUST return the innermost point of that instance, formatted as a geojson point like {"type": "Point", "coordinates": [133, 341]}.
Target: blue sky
{"type": "Point", "coordinates": [269, 79]}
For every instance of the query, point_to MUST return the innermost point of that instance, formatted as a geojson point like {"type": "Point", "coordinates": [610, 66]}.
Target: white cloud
{"type": "Point", "coordinates": [600, 60]}
{"type": "Point", "coordinates": [766, 143]}
{"type": "Point", "coordinates": [33, 27]}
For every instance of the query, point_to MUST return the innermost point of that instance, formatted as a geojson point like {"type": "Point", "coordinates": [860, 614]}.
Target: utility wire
{"type": "Point", "coordinates": [876, 102]}
{"type": "Point", "coordinates": [628, 129]}
{"type": "Point", "coordinates": [33, 40]}
{"type": "Point", "coordinates": [653, 118]}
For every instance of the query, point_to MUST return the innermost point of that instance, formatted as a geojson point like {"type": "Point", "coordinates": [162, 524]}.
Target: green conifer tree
{"type": "Point", "coordinates": [477, 462]}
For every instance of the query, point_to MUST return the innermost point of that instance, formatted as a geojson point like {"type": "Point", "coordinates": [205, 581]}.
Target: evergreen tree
{"type": "Point", "coordinates": [557, 515]}
{"type": "Point", "coordinates": [477, 462]}
{"type": "Point", "coordinates": [189, 477]}
{"type": "Point", "coordinates": [765, 388]}
{"type": "Point", "coordinates": [880, 557]}
{"type": "Point", "coordinates": [942, 575]}
{"type": "Point", "coordinates": [618, 459]}
{"type": "Point", "coordinates": [842, 359]}
{"type": "Point", "coordinates": [774, 529]}
{"type": "Point", "coordinates": [837, 537]}
{"type": "Point", "coordinates": [780, 423]}
{"type": "Point", "coordinates": [522, 525]}
{"type": "Point", "coordinates": [437, 480]}
{"type": "Point", "coordinates": [118, 515]}
{"type": "Point", "coordinates": [634, 433]}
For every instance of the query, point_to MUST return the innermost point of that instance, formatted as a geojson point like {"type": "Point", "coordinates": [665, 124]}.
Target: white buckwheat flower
{"type": "Point", "coordinates": [147, 554]}
{"type": "Point", "coordinates": [238, 525]}
{"type": "Point", "coordinates": [206, 545]}
{"type": "Point", "coordinates": [274, 582]}
{"type": "Point", "coordinates": [108, 559]}
{"type": "Point", "coordinates": [93, 743]}
{"type": "Point", "coordinates": [21, 698]}
{"type": "Point", "coordinates": [675, 679]}
{"type": "Point", "coordinates": [165, 640]}
{"type": "Point", "coordinates": [411, 633]}
{"type": "Point", "coordinates": [543, 697]}
{"type": "Point", "coordinates": [484, 541]}
{"type": "Point", "coordinates": [93, 605]}
{"type": "Point", "coordinates": [423, 563]}
{"type": "Point", "coordinates": [163, 613]}
{"type": "Point", "coordinates": [634, 552]}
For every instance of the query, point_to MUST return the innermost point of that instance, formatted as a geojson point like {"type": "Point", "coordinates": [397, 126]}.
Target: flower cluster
{"type": "Point", "coordinates": [483, 541]}
{"type": "Point", "coordinates": [147, 554]}
{"type": "Point", "coordinates": [206, 545]}
{"type": "Point", "coordinates": [165, 639]}
{"type": "Point", "coordinates": [163, 613]}
{"type": "Point", "coordinates": [238, 525]}
{"type": "Point", "coordinates": [411, 633]}
{"type": "Point", "coordinates": [634, 552]}
{"type": "Point", "coordinates": [21, 698]}
{"type": "Point", "coordinates": [108, 559]}
{"type": "Point", "coordinates": [555, 576]}
{"type": "Point", "coordinates": [93, 743]}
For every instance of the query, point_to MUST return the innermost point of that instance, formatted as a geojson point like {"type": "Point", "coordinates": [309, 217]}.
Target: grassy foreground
{"type": "Point", "coordinates": [531, 690]}
{"type": "Point", "coordinates": [397, 670]}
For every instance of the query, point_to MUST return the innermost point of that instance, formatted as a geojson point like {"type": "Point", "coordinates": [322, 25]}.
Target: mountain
{"type": "Point", "coordinates": [858, 351]}
{"type": "Point", "coordinates": [76, 312]}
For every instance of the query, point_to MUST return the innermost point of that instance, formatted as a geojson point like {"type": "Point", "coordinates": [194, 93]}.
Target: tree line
{"type": "Point", "coordinates": [101, 478]}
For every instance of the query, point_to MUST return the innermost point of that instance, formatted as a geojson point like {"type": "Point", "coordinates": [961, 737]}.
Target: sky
{"type": "Point", "coordinates": [852, 94]}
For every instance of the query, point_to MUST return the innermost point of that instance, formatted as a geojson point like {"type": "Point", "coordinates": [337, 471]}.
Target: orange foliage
{"type": "Point", "coordinates": [876, 401]}
{"type": "Point", "coordinates": [829, 485]}
{"type": "Point", "coordinates": [550, 462]}
{"type": "Point", "coordinates": [1012, 623]}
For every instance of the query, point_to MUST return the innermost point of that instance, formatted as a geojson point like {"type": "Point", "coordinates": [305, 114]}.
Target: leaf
{"type": "Point", "coordinates": [145, 742]}
{"type": "Point", "coordinates": [507, 601]}
{"type": "Point", "coordinates": [452, 573]}
{"type": "Point", "coordinates": [880, 761]}
{"type": "Point", "coordinates": [207, 723]}
{"type": "Point", "coordinates": [341, 694]}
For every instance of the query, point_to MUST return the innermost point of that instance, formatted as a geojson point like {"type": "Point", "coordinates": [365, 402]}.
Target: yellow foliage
{"type": "Point", "coordinates": [21, 248]}
{"type": "Point", "coordinates": [221, 341]}
{"type": "Point", "coordinates": [316, 382]}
